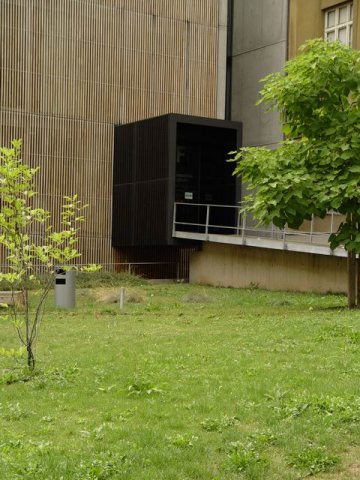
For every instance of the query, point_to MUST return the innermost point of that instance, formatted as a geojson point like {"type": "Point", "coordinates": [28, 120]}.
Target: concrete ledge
{"type": "Point", "coordinates": [293, 243]}
{"type": "Point", "coordinates": [12, 298]}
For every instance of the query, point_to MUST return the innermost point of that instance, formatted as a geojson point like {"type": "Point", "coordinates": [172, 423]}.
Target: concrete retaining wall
{"type": "Point", "coordinates": [241, 266]}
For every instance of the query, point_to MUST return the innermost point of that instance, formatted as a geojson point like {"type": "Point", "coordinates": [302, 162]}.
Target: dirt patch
{"type": "Point", "coordinates": [112, 295]}
{"type": "Point", "coordinates": [349, 469]}
{"type": "Point", "coordinates": [354, 469]}
{"type": "Point", "coordinates": [197, 298]}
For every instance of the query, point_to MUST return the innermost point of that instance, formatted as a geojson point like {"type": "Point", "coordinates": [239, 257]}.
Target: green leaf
{"type": "Point", "coordinates": [287, 129]}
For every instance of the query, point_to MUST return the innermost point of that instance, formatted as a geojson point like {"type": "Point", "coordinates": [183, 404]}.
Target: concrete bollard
{"type": "Point", "coordinates": [122, 298]}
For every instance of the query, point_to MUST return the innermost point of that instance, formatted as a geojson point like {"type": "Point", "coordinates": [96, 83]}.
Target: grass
{"type": "Point", "coordinates": [189, 382]}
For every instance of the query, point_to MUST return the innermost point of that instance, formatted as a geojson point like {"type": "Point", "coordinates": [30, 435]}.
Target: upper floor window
{"type": "Point", "coordinates": [339, 23]}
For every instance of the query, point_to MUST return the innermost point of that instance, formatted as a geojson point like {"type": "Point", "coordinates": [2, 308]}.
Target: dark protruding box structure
{"type": "Point", "coordinates": [167, 159]}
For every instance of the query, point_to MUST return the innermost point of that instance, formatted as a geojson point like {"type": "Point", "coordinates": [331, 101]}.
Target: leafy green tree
{"type": "Point", "coordinates": [32, 248]}
{"type": "Point", "coordinates": [317, 166]}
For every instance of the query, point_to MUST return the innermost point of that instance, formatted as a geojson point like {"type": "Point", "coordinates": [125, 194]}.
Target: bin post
{"type": "Point", "coordinates": [64, 288]}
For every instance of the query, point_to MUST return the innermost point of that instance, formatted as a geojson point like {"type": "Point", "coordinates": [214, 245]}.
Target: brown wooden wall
{"type": "Point", "coordinates": [71, 69]}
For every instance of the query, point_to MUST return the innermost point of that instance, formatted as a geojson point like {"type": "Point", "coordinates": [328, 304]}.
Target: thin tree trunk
{"type": "Point", "coordinates": [358, 282]}
{"type": "Point", "coordinates": [351, 268]}
{"type": "Point", "coordinates": [30, 357]}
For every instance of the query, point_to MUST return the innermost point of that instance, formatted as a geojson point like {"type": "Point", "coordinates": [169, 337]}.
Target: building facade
{"type": "Point", "coordinates": [266, 34]}
{"type": "Point", "coordinates": [72, 69]}
{"type": "Point", "coordinates": [330, 19]}
{"type": "Point", "coordinates": [259, 47]}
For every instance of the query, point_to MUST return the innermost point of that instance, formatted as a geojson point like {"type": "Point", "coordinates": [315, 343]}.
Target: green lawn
{"type": "Point", "coordinates": [189, 382]}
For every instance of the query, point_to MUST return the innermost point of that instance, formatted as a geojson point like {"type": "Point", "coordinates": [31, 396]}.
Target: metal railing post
{"type": "Point", "coordinates": [243, 229]}
{"type": "Point", "coordinates": [174, 220]}
{"type": "Point", "coordinates": [207, 219]}
{"type": "Point", "coordinates": [332, 222]}
{"type": "Point", "coordinates": [311, 227]}
{"type": "Point", "coordinates": [238, 222]}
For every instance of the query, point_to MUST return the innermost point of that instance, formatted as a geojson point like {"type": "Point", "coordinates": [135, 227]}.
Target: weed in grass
{"type": "Point", "coordinates": [103, 466]}
{"type": "Point", "coordinates": [9, 445]}
{"type": "Point", "coordinates": [252, 372]}
{"type": "Point", "coordinates": [39, 446]}
{"type": "Point", "coordinates": [124, 416]}
{"type": "Point", "coordinates": [354, 337]}
{"type": "Point", "coordinates": [13, 411]}
{"type": "Point", "coordinates": [141, 386]}
{"type": "Point", "coordinates": [152, 307]}
{"type": "Point", "coordinates": [99, 374]}
{"type": "Point", "coordinates": [218, 424]}
{"type": "Point", "coordinates": [211, 425]}
{"type": "Point", "coordinates": [247, 405]}
{"type": "Point", "coordinates": [107, 389]}
{"type": "Point", "coordinates": [54, 376]}
{"type": "Point", "coordinates": [23, 458]}
{"type": "Point", "coordinates": [96, 433]}
{"type": "Point", "coordinates": [107, 279]}
{"type": "Point", "coordinates": [342, 410]}
{"type": "Point", "coordinates": [338, 410]}
{"type": "Point", "coordinates": [263, 439]}
{"type": "Point", "coordinates": [12, 368]}
{"type": "Point", "coordinates": [313, 460]}
{"type": "Point", "coordinates": [109, 417]}
{"type": "Point", "coordinates": [349, 334]}
{"type": "Point", "coordinates": [293, 409]}
{"type": "Point", "coordinates": [182, 440]}
{"type": "Point", "coordinates": [47, 419]}
{"type": "Point", "coordinates": [31, 470]}
{"type": "Point", "coordinates": [277, 396]}
{"type": "Point", "coordinates": [246, 458]}
{"type": "Point", "coordinates": [16, 374]}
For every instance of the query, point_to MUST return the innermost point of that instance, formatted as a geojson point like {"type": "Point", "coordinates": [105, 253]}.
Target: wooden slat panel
{"type": "Point", "coordinates": [204, 12]}
{"type": "Point", "coordinates": [68, 167]}
{"type": "Point", "coordinates": [70, 69]}
{"type": "Point", "coordinates": [176, 9]}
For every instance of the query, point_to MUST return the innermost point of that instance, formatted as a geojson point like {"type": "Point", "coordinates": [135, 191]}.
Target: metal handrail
{"type": "Point", "coordinates": [243, 229]}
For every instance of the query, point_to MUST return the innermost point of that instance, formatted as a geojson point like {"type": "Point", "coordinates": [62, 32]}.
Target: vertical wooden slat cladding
{"type": "Point", "coordinates": [123, 201]}
{"type": "Point", "coordinates": [150, 204]}
{"type": "Point", "coordinates": [123, 148]}
{"type": "Point", "coordinates": [70, 69]}
{"type": "Point", "coordinates": [152, 158]}
{"type": "Point", "coordinates": [141, 183]}
{"type": "Point", "coordinates": [63, 167]}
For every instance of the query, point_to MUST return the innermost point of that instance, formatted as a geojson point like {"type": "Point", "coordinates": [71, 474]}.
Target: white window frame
{"type": "Point", "coordinates": [338, 26]}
